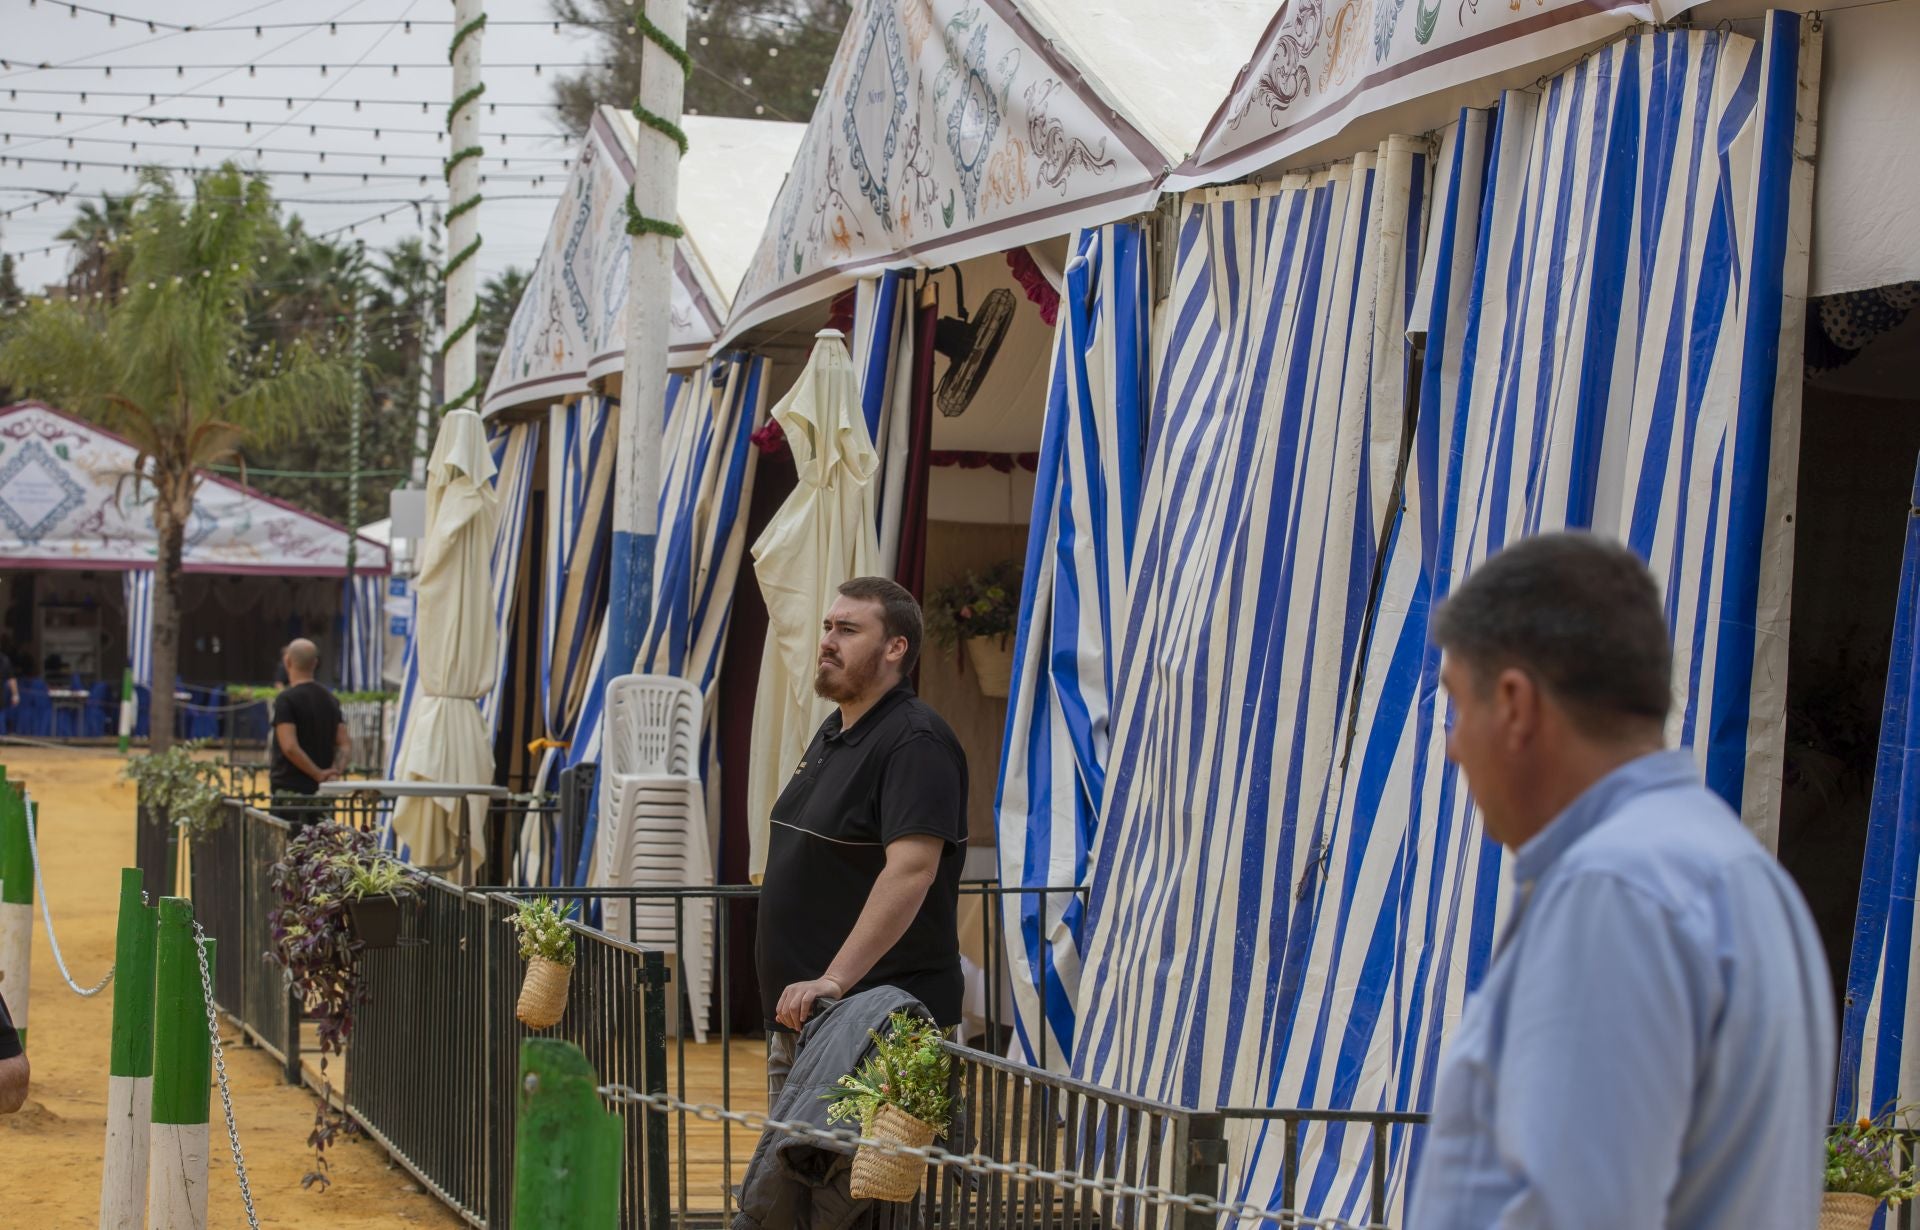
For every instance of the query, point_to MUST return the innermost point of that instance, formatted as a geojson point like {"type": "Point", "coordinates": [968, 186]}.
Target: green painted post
{"type": "Point", "coordinates": [16, 904]}
{"type": "Point", "coordinates": [182, 1076]}
{"type": "Point", "coordinates": [123, 1180]}
{"type": "Point", "coordinates": [566, 1158]}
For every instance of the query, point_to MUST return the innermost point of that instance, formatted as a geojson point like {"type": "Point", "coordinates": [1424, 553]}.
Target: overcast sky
{"type": "Point", "coordinates": [281, 140]}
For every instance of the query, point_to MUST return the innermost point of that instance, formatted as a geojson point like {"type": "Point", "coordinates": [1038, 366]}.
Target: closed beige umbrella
{"type": "Point", "coordinates": [822, 536]}
{"type": "Point", "coordinates": [456, 647]}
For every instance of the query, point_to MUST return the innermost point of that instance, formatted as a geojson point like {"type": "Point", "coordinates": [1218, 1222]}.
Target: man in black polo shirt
{"type": "Point", "coordinates": [866, 842]}
{"type": "Point", "coordinates": [310, 736]}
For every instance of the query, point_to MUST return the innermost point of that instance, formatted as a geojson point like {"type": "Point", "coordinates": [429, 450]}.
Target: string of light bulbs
{"type": "Point", "coordinates": [153, 98]}
{"type": "Point", "coordinates": [313, 129]}
{"type": "Point", "coordinates": [196, 146]}
{"type": "Point", "coordinates": [154, 25]}
{"type": "Point", "coordinates": [306, 176]}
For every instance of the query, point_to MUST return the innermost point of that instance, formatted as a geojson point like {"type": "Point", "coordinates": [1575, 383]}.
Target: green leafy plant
{"type": "Point", "coordinates": [254, 691]}
{"type": "Point", "coordinates": [1861, 1159]}
{"type": "Point", "coordinates": [179, 787]}
{"type": "Point", "coordinates": [543, 931]}
{"type": "Point", "coordinates": [908, 1069]}
{"type": "Point", "coordinates": [979, 604]}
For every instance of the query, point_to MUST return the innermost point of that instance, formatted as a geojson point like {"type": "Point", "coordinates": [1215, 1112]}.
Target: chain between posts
{"type": "Point", "coordinates": [981, 1164]}
{"type": "Point", "coordinates": [220, 1070]}
{"type": "Point", "coordinates": [46, 910]}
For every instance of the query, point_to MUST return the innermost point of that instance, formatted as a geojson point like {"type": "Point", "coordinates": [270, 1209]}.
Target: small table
{"type": "Point", "coordinates": [71, 701]}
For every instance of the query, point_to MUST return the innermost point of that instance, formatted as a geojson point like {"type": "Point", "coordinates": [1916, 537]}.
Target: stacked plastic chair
{"type": "Point", "coordinates": [653, 826]}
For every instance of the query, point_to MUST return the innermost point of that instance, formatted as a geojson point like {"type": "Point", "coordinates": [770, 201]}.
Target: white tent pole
{"type": "Point", "coordinates": [463, 209]}
{"type": "Point", "coordinates": [651, 222]}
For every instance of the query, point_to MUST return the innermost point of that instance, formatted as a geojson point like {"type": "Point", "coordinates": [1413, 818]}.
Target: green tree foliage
{"type": "Point", "coordinates": [171, 366]}
{"type": "Point", "coordinates": [748, 54]}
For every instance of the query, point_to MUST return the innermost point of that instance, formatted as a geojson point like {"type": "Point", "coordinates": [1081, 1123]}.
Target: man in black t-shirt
{"type": "Point", "coordinates": [866, 842]}
{"type": "Point", "coordinates": [310, 737]}
{"type": "Point", "coordinates": [14, 1071]}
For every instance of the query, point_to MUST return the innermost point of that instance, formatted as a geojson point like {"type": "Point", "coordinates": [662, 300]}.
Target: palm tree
{"type": "Point", "coordinates": [169, 365]}
{"type": "Point", "coordinates": [99, 265]}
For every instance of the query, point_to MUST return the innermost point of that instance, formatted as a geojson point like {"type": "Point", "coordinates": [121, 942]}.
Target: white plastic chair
{"type": "Point", "coordinates": [653, 824]}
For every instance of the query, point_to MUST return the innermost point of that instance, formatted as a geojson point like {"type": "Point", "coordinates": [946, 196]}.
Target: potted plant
{"type": "Point", "coordinates": [979, 614]}
{"type": "Point", "coordinates": [329, 874]}
{"type": "Point", "coordinates": [899, 1096]}
{"type": "Point", "coordinates": [1861, 1173]}
{"type": "Point", "coordinates": [546, 944]}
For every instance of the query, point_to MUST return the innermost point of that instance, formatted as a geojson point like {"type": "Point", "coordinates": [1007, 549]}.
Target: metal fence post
{"type": "Point", "coordinates": [1202, 1158]}
{"type": "Point", "coordinates": [654, 1030]}
{"type": "Point", "coordinates": [566, 1158]}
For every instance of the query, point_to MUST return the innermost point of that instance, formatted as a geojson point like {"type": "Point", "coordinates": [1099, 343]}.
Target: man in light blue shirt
{"type": "Point", "coordinates": [1653, 1045]}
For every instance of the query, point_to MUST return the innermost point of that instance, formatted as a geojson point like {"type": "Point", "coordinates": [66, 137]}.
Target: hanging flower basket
{"type": "Point", "coordinates": [543, 996]}
{"type": "Point", "coordinates": [992, 660]}
{"type": "Point", "coordinates": [547, 945]}
{"type": "Point", "coordinates": [892, 1176]}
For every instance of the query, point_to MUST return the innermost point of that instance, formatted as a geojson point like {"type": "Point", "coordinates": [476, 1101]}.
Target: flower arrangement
{"type": "Point", "coordinates": [907, 1070]}
{"type": "Point", "coordinates": [985, 604]}
{"type": "Point", "coordinates": [900, 1097]}
{"type": "Point", "coordinates": [546, 945]}
{"type": "Point", "coordinates": [543, 931]}
{"type": "Point", "coordinates": [1860, 1160]}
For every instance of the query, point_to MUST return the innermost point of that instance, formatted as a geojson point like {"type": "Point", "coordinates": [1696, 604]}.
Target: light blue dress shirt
{"type": "Point", "coordinates": [1653, 1045]}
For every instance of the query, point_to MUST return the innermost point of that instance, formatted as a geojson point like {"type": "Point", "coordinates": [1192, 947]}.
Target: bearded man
{"type": "Point", "coordinates": [866, 842]}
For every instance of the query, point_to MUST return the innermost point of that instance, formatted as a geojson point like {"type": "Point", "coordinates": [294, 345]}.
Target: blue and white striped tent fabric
{"type": "Point", "coordinates": [1275, 436]}
{"type": "Point", "coordinates": [1086, 507]}
{"type": "Point", "coordinates": [882, 350]}
{"type": "Point", "coordinates": [139, 589]}
{"type": "Point", "coordinates": [710, 460]}
{"type": "Point", "coordinates": [363, 600]}
{"type": "Point", "coordinates": [580, 454]}
{"type": "Point", "coordinates": [513, 448]}
{"type": "Point", "coordinates": [1610, 302]}
{"type": "Point", "coordinates": [1876, 1065]}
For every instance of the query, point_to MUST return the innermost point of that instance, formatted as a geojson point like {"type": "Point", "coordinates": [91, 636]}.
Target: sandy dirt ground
{"type": "Point", "coordinates": [50, 1177]}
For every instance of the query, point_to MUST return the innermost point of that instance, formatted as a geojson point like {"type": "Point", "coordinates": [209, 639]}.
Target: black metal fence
{"type": "Point", "coordinates": [230, 878]}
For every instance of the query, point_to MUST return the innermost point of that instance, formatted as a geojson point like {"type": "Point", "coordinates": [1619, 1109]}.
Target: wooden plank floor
{"type": "Point", "coordinates": [699, 1149]}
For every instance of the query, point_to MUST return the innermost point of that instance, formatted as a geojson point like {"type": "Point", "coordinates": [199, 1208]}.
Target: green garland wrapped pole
{"type": "Point", "coordinates": [652, 210]}
{"type": "Point", "coordinates": [463, 383]}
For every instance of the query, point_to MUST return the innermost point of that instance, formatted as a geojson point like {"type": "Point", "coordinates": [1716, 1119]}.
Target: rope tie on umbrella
{"type": "Point", "coordinates": [637, 222]}
{"type": "Point", "coordinates": [466, 99]}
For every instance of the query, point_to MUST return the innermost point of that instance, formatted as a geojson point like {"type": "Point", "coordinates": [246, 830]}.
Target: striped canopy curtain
{"type": "Point", "coordinates": [580, 457]}
{"type": "Point", "coordinates": [882, 350]}
{"type": "Point", "coordinates": [1085, 511]}
{"type": "Point", "coordinates": [1276, 432]}
{"type": "Point", "coordinates": [710, 460]}
{"type": "Point", "coordinates": [366, 642]}
{"type": "Point", "coordinates": [139, 591]}
{"type": "Point", "coordinates": [1612, 306]}
{"type": "Point", "coordinates": [1876, 1065]}
{"type": "Point", "coordinates": [513, 447]}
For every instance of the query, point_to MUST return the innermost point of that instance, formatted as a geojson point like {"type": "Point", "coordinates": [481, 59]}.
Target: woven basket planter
{"type": "Point", "coordinates": [1847, 1211]}
{"type": "Point", "coordinates": [992, 660]}
{"type": "Point", "coordinates": [543, 996]}
{"type": "Point", "coordinates": [890, 1176]}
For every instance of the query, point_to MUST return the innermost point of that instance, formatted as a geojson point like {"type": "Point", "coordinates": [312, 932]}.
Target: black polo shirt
{"type": "Point", "coordinates": [897, 773]}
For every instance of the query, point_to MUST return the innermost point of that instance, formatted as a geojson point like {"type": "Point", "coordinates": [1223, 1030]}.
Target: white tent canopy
{"type": "Point", "coordinates": [68, 499]}
{"type": "Point", "coordinates": [570, 327]}
{"type": "Point", "coordinates": [950, 130]}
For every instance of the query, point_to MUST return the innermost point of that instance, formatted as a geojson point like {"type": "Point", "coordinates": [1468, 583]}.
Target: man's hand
{"type": "Point", "coordinates": [796, 1002]}
{"type": "Point", "coordinates": [327, 775]}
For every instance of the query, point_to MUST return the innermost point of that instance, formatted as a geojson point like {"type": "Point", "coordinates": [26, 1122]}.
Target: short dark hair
{"type": "Point", "coordinates": [899, 613]}
{"type": "Point", "coordinates": [1580, 613]}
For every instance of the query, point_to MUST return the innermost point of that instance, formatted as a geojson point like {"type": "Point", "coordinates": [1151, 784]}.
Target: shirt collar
{"type": "Point", "coordinates": [1653, 771]}
{"type": "Point", "coordinates": [852, 737]}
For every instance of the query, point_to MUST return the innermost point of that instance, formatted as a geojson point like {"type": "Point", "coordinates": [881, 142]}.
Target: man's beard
{"type": "Point", "coordinates": [850, 682]}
